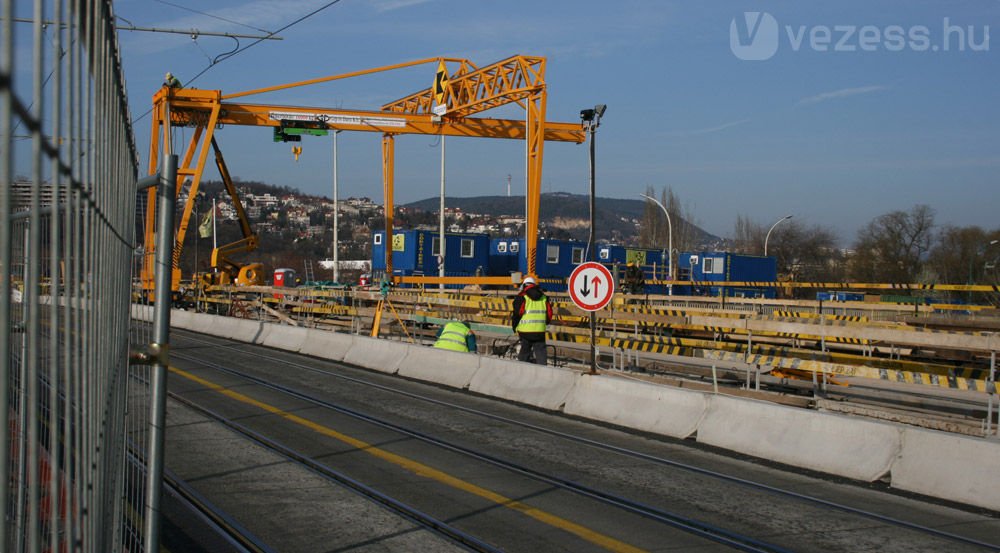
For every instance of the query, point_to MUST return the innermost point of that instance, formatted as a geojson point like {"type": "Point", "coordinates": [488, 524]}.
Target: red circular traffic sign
{"type": "Point", "coordinates": [591, 286]}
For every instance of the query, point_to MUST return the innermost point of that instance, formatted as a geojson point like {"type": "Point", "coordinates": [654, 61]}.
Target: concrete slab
{"type": "Point", "coordinates": [639, 405]}
{"type": "Point", "coordinates": [285, 337]}
{"type": "Point", "coordinates": [826, 442]}
{"type": "Point", "coordinates": [326, 344]}
{"type": "Point", "coordinates": [450, 368]}
{"type": "Point", "coordinates": [244, 330]}
{"type": "Point", "coordinates": [538, 385]}
{"type": "Point", "coordinates": [379, 355]}
{"type": "Point", "coordinates": [956, 468]}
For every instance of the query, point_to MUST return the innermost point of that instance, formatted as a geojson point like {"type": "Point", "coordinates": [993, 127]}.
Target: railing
{"type": "Point", "coordinates": [67, 242]}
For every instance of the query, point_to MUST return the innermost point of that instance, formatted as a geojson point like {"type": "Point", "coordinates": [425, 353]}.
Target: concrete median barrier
{"type": "Point", "coordinates": [284, 337]}
{"type": "Point", "coordinates": [379, 355]}
{"type": "Point", "coordinates": [244, 330]}
{"type": "Point", "coordinates": [450, 368]}
{"type": "Point", "coordinates": [639, 405]}
{"type": "Point", "coordinates": [824, 442]}
{"type": "Point", "coordinates": [538, 385]}
{"type": "Point", "coordinates": [326, 345]}
{"type": "Point", "coordinates": [181, 319]}
{"type": "Point", "coordinates": [956, 468]}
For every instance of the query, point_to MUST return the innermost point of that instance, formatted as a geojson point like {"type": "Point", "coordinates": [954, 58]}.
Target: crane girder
{"type": "Point", "coordinates": [511, 80]}
{"type": "Point", "coordinates": [193, 108]}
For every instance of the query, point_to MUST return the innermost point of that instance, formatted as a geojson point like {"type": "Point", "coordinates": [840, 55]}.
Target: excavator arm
{"type": "Point", "coordinates": [248, 274]}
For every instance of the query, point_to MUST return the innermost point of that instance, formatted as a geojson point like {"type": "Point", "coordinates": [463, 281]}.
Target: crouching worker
{"type": "Point", "coordinates": [456, 336]}
{"type": "Point", "coordinates": [531, 314]}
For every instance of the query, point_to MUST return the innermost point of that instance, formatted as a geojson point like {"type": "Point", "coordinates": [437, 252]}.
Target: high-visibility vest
{"type": "Point", "coordinates": [534, 316]}
{"type": "Point", "coordinates": [453, 337]}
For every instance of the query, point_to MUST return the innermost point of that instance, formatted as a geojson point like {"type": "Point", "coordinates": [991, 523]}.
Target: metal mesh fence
{"type": "Point", "coordinates": [68, 168]}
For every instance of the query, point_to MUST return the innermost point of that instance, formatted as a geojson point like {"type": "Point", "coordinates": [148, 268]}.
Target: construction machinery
{"type": "Point", "coordinates": [445, 109]}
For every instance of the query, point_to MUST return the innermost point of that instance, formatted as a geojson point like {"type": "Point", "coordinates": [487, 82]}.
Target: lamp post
{"type": "Point", "coordinates": [670, 241]}
{"type": "Point", "coordinates": [591, 120]}
{"type": "Point", "coordinates": [336, 214]}
{"type": "Point", "coordinates": [441, 222]}
{"type": "Point", "coordinates": [768, 237]}
{"type": "Point", "coordinates": [981, 250]}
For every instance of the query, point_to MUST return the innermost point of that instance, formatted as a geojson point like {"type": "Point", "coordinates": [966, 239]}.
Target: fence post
{"type": "Point", "coordinates": [161, 351]}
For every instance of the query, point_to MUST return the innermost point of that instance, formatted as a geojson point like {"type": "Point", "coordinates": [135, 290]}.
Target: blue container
{"type": "Point", "coordinates": [849, 296]}
{"type": "Point", "coordinates": [504, 253]}
{"type": "Point", "coordinates": [554, 261]}
{"type": "Point", "coordinates": [706, 267]}
{"type": "Point", "coordinates": [414, 253]}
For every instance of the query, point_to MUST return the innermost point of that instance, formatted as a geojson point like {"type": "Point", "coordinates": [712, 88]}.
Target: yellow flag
{"type": "Point", "coordinates": [205, 228]}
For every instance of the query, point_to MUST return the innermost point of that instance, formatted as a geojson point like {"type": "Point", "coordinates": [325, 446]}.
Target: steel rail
{"type": "Point", "coordinates": [699, 528]}
{"type": "Point", "coordinates": [410, 513]}
{"type": "Point", "coordinates": [629, 452]}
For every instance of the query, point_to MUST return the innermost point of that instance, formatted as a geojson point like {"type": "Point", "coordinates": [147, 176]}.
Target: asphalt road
{"type": "Point", "coordinates": [292, 509]}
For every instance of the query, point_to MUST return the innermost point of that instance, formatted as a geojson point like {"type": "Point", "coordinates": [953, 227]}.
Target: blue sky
{"type": "Point", "coordinates": [836, 127]}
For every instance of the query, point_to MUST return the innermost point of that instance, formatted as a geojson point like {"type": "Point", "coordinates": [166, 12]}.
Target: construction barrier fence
{"type": "Point", "coordinates": [68, 168]}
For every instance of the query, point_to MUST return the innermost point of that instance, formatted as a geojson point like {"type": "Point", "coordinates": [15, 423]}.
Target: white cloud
{"type": "Point", "coordinates": [382, 6]}
{"type": "Point", "coordinates": [708, 130]}
{"type": "Point", "coordinates": [842, 93]}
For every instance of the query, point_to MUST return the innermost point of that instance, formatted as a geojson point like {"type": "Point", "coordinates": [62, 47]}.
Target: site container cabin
{"type": "Point", "coordinates": [415, 253]}
{"type": "Point", "coordinates": [504, 255]}
{"type": "Point", "coordinates": [653, 263]}
{"type": "Point", "coordinates": [703, 268]}
{"type": "Point", "coordinates": [554, 261]}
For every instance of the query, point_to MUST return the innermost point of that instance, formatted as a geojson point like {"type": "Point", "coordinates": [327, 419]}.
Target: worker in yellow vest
{"type": "Point", "coordinates": [532, 312]}
{"type": "Point", "coordinates": [456, 336]}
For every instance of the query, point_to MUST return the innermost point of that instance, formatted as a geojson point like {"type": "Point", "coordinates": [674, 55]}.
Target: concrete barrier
{"type": "Point", "coordinates": [956, 468]}
{"type": "Point", "coordinates": [379, 355]}
{"type": "Point", "coordinates": [181, 319]}
{"type": "Point", "coordinates": [244, 330]}
{"type": "Point", "coordinates": [450, 368]}
{"type": "Point", "coordinates": [284, 337]}
{"type": "Point", "coordinates": [327, 345]}
{"type": "Point", "coordinates": [538, 385]}
{"type": "Point", "coordinates": [639, 405]}
{"type": "Point", "coordinates": [825, 442]}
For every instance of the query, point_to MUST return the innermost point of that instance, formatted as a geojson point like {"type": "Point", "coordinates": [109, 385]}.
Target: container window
{"type": "Point", "coordinates": [468, 247]}
{"type": "Point", "coordinates": [436, 245]}
{"type": "Point", "coordinates": [378, 239]}
{"type": "Point", "coordinates": [708, 266]}
{"type": "Point", "coordinates": [502, 247]}
{"type": "Point", "coordinates": [577, 256]}
{"type": "Point", "coordinates": [552, 254]}
{"type": "Point", "coordinates": [515, 247]}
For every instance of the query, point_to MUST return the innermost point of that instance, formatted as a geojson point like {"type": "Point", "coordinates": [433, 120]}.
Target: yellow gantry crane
{"type": "Point", "coordinates": [446, 108]}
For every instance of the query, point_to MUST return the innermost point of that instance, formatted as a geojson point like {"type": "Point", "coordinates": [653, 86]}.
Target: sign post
{"type": "Point", "coordinates": [591, 288]}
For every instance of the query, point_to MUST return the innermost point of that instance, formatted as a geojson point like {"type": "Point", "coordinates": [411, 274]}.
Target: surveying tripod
{"type": "Point", "coordinates": [377, 320]}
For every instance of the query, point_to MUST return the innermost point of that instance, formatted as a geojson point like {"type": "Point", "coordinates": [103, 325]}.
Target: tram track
{"type": "Point", "coordinates": [701, 529]}
{"type": "Point", "coordinates": [666, 517]}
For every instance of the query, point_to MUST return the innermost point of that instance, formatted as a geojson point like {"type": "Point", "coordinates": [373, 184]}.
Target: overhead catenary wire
{"type": "Point", "coordinates": [219, 17]}
{"type": "Point", "coordinates": [224, 57]}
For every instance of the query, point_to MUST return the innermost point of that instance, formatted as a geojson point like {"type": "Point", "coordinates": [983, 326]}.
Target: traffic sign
{"type": "Point", "coordinates": [591, 286]}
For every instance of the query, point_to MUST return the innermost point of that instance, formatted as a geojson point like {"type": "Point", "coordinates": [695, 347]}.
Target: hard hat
{"type": "Point", "coordinates": [168, 76]}
{"type": "Point", "coordinates": [527, 281]}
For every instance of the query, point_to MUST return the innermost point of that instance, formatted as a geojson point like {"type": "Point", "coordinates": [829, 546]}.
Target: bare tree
{"type": "Point", "coordinates": [748, 236]}
{"type": "Point", "coordinates": [964, 255]}
{"type": "Point", "coordinates": [806, 253]}
{"type": "Point", "coordinates": [891, 247]}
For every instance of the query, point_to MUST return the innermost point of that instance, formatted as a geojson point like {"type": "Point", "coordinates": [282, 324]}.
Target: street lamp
{"type": "Point", "coordinates": [670, 241]}
{"type": "Point", "coordinates": [591, 120]}
{"type": "Point", "coordinates": [336, 214]}
{"type": "Point", "coordinates": [768, 237]}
